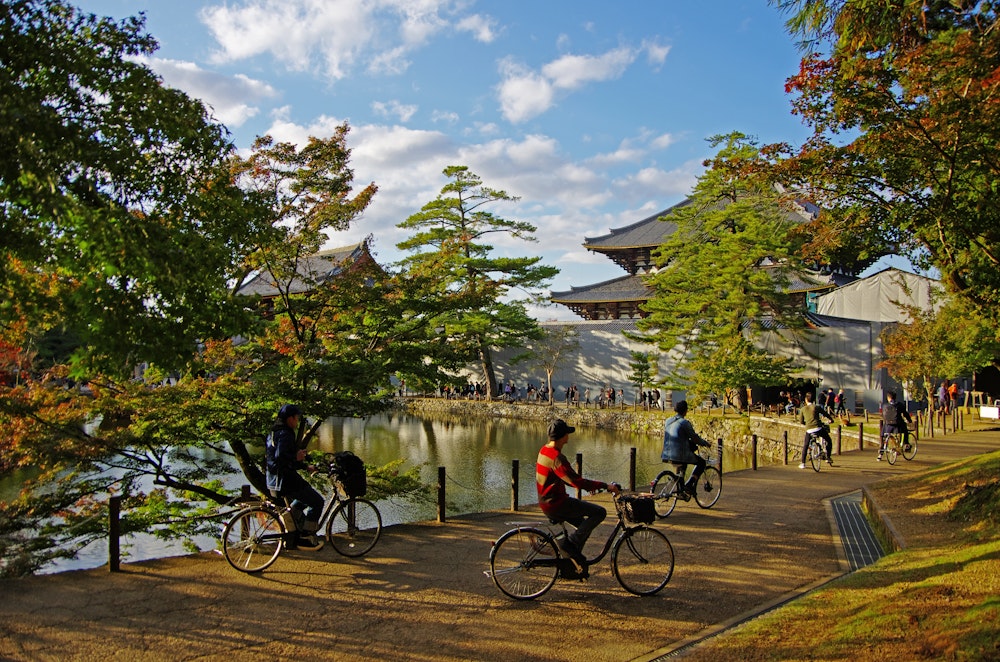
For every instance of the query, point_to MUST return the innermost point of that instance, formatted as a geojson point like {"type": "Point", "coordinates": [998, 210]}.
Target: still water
{"type": "Point", "coordinates": [477, 455]}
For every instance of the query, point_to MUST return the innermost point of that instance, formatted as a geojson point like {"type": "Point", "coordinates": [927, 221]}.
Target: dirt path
{"type": "Point", "coordinates": [422, 594]}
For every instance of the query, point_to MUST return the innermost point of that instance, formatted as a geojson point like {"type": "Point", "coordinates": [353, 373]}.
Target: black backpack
{"type": "Point", "coordinates": [350, 470]}
{"type": "Point", "coordinates": [890, 413]}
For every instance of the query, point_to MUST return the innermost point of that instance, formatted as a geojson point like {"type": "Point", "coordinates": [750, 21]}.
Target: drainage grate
{"type": "Point", "coordinates": [860, 544]}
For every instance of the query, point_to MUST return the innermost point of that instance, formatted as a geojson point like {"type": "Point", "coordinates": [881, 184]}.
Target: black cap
{"type": "Point", "coordinates": [681, 407]}
{"type": "Point", "coordinates": [559, 429]}
{"type": "Point", "coordinates": [287, 411]}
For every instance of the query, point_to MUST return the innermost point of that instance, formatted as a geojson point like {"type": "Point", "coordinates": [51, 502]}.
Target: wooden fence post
{"type": "Point", "coordinates": [753, 448]}
{"type": "Point", "coordinates": [861, 436]}
{"type": "Point", "coordinates": [441, 494]}
{"type": "Point", "coordinates": [514, 465]}
{"type": "Point", "coordinates": [579, 472]}
{"type": "Point", "coordinates": [114, 533]}
{"type": "Point", "coordinates": [631, 469]}
{"type": "Point", "coordinates": [785, 456]}
{"type": "Point", "coordinates": [840, 436]}
{"type": "Point", "coordinates": [718, 450]}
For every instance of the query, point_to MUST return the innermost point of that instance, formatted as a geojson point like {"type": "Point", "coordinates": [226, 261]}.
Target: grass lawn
{"type": "Point", "coordinates": [937, 599]}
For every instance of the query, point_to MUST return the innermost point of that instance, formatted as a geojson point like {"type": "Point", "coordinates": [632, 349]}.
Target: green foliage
{"type": "Point", "coordinates": [554, 345]}
{"type": "Point", "coordinates": [953, 339]}
{"type": "Point", "coordinates": [724, 274]}
{"type": "Point", "coordinates": [120, 220]}
{"type": "Point", "coordinates": [462, 277]}
{"type": "Point", "coordinates": [906, 132]}
{"type": "Point", "coordinates": [642, 366]}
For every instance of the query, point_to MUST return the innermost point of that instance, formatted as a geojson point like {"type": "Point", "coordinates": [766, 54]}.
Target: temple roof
{"type": "Point", "coordinates": [313, 269]}
{"type": "Point", "coordinates": [625, 288]}
{"type": "Point", "coordinates": [647, 233]}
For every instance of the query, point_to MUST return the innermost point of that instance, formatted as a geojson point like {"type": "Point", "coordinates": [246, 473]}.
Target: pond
{"type": "Point", "coordinates": [477, 455]}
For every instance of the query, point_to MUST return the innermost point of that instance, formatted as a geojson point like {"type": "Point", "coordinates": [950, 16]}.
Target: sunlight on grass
{"type": "Point", "coordinates": [932, 600]}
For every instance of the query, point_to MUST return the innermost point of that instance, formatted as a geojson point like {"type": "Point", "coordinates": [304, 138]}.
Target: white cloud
{"type": "Point", "coordinates": [663, 141]}
{"type": "Point", "coordinates": [230, 97]}
{"type": "Point", "coordinates": [394, 109]}
{"type": "Point", "coordinates": [483, 28]}
{"type": "Point", "coordinates": [656, 53]}
{"type": "Point", "coordinates": [573, 71]}
{"type": "Point", "coordinates": [524, 93]}
{"type": "Point", "coordinates": [444, 116]}
{"type": "Point", "coordinates": [335, 36]}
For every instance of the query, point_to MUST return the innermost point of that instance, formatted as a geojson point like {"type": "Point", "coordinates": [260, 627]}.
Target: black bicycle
{"type": "Point", "coordinates": [668, 486]}
{"type": "Point", "coordinates": [255, 536]}
{"type": "Point", "coordinates": [526, 561]}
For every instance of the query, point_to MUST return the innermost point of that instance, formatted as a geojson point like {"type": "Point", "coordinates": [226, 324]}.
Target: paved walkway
{"type": "Point", "coordinates": [422, 595]}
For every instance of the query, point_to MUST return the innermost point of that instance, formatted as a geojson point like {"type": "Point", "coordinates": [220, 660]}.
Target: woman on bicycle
{"type": "Point", "coordinates": [895, 420]}
{"type": "Point", "coordinates": [284, 459]}
{"type": "Point", "coordinates": [680, 442]}
{"type": "Point", "coordinates": [810, 415]}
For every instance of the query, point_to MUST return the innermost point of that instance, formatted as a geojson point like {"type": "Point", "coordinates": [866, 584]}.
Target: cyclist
{"type": "Point", "coordinates": [284, 459]}
{"type": "Point", "coordinates": [552, 473]}
{"type": "Point", "coordinates": [894, 420]}
{"type": "Point", "coordinates": [680, 442]}
{"type": "Point", "coordinates": [810, 416]}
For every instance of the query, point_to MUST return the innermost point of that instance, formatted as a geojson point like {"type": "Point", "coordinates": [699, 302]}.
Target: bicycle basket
{"type": "Point", "coordinates": [350, 472]}
{"type": "Point", "coordinates": [637, 508]}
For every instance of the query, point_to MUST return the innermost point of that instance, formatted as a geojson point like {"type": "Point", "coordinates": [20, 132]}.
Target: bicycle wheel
{"type": "Point", "coordinates": [252, 539]}
{"type": "Point", "coordinates": [892, 449]}
{"type": "Point", "coordinates": [354, 527]}
{"type": "Point", "coordinates": [709, 487]}
{"type": "Point", "coordinates": [815, 455]}
{"type": "Point", "coordinates": [910, 449]}
{"type": "Point", "coordinates": [524, 563]}
{"type": "Point", "coordinates": [642, 560]}
{"type": "Point", "coordinates": [664, 492]}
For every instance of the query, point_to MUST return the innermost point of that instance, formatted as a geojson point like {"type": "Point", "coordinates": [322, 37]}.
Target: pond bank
{"type": "Point", "coordinates": [736, 430]}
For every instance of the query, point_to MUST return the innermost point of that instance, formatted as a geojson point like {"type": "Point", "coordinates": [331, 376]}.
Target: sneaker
{"type": "Point", "coordinates": [683, 494]}
{"type": "Point", "coordinates": [907, 447]}
{"type": "Point", "coordinates": [309, 543]}
{"type": "Point", "coordinates": [879, 458]}
{"type": "Point", "coordinates": [829, 462]}
{"type": "Point", "coordinates": [802, 465]}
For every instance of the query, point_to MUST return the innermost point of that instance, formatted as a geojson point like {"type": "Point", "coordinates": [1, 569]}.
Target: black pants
{"type": "Point", "coordinates": [583, 515]}
{"type": "Point", "coordinates": [304, 497]}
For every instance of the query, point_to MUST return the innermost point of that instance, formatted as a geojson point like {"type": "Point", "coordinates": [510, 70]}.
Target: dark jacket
{"type": "Point", "coordinates": [281, 449]}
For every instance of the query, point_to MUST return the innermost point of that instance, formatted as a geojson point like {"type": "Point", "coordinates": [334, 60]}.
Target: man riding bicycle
{"type": "Point", "coordinates": [895, 420]}
{"type": "Point", "coordinates": [552, 473]}
{"type": "Point", "coordinates": [810, 415]}
{"type": "Point", "coordinates": [284, 459]}
{"type": "Point", "coordinates": [680, 442]}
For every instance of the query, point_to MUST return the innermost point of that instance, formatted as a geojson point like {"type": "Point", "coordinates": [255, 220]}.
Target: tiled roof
{"type": "Point", "coordinates": [648, 232]}
{"type": "Point", "coordinates": [312, 269]}
{"type": "Point", "coordinates": [626, 288]}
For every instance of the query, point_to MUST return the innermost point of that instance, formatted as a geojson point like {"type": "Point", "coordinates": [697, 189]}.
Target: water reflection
{"type": "Point", "coordinates": [477, 455]}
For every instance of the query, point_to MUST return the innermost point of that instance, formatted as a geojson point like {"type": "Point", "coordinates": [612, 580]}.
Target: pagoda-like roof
{"type": "Point", "coordinates": [311, 270]}
{"type": "Point", "coordinates": [647, 233]}
{"type": "Point", "coordinates": [619, 297]}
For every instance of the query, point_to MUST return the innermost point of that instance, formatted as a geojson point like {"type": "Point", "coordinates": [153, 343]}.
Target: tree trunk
{"type": "Point", "coordinates": [486, 358]}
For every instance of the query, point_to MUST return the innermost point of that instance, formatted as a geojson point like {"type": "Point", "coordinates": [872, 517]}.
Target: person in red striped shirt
{"type": "Point", "coordinates": [553, 473]}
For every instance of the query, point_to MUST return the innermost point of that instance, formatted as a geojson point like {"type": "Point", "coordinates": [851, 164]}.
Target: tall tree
{"type": "Point", "coordinates": [723, 273]}
{"type": "Point", "coordinates": [902, 100]}
{"type": "Point", "coordinates": [955, 339]}
{"type": "Point", "coordinates": [477, 285]}
{"type": "Point", "coordinates": [118, 216]}
{"type": "Point", "coordinates": [550, 350]}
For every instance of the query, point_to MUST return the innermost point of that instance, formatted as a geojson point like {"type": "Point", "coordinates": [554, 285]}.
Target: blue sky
{"type": "Point", "coordinates": [595, 114]}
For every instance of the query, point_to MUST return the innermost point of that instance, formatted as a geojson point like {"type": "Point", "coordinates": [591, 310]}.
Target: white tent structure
{"type": "Point", "coordinates": [881, 297]}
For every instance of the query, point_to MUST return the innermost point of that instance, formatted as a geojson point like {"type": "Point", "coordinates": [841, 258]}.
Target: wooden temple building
{"type": "Point", "coordinates": [631, 247]}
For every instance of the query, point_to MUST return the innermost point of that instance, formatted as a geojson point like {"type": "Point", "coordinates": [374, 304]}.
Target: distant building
{"type": "Point", "coordinates": [631, 247]}
{"type": "Point", "coordinates": [312, 270]}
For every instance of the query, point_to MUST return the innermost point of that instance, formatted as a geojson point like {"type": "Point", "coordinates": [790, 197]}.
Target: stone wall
{"type": "Point", "coordinates": [736, 431]}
